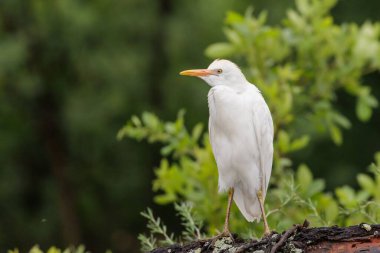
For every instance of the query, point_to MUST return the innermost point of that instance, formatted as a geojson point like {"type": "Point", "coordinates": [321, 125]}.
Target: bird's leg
{"type": "Point", "coordinates": [261, 201]}
{"type": "Point", "coordinates": [226, 229]}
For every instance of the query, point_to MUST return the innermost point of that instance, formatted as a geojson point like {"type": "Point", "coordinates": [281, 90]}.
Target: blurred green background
{"type": "Point", "coordinates": [72, 72]}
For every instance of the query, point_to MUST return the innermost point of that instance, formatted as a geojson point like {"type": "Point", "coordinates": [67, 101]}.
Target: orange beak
{"type": "Point", "coordinates": [197, 72]}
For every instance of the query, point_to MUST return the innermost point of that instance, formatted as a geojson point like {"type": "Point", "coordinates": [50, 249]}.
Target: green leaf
{"type": "Point", "coordinates": [283, 141]}
{"type": "Point", "coordinates": [150, 120]}
{"type": "Point", "coordinates": [53, 250]}
{"type": "Point", "coordinates": [197, 131]}
{"type": "Point", "coordinates": [342, 120]}
{"type": "Point", "coordinates": [332, 211]}
{"type": "Point", "coordinates": [362, 196]}
{"type": "Point", "coordinates": [366, 183]}
{"type": "Point", "coordinates": [363, 111]}
{"type": "Point", "coordinates": [233, 17]}
{"type": "Point", "coordinates": [220, 50]}
{"type": "Point", "coordinates": [370, 101]}
{"type": "Point", "coordinates": [285, 162]}
{"type": "Point", "coordinates": [329, 207]}
{"type": "Point", "coordinates": [166, 150]}
{"type": "Point", "coordinates": [336, 135]}
{"type": "Point", "coordinates": [170, 127]}
{"type": "Point", "coordinates": [232, 36]}
{"type": "Point", "coordinates": [316, 186]}
{"type": "Point", "coordinates": [304, 177]}
{"type": "Point", "coordinates": [35, 249]}
{"type": "Point", "coordinates": [262, 17]}
{"type": "Point", "coordinates": [346, 196]}
{"type": "Point", "coordinates": [136, 121]}
{"type": "Point", "coordinates": [295, 20]}
{"type": "Point", "coordinates": [179, 123]}
{"type": "Point", "coordinates": [163, 199]}
{"type": "Point", "coordinates": [303, 6]}
{"type": "Point", "coordinates": [300, 143]}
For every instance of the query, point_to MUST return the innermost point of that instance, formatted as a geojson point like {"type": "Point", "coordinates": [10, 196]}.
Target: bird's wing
{"type": "Point", "coordinates": [263, 127]}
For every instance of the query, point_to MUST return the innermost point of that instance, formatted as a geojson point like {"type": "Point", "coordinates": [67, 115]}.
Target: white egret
{"type": "Point", "coordinates": [241, 136]}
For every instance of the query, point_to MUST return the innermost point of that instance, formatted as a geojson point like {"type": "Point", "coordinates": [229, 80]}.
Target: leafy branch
{"type": "Point", "coordinates": [156, 227]}
{"type": "Point", "coordinates": [191, 223]}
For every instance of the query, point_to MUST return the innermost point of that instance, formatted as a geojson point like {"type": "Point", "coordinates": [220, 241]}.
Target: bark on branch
{"type": "Point", "coordinates": [299, 238]}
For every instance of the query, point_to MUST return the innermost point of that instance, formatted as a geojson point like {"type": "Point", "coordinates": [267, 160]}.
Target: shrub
{"type": "Point", "coordinates": [299, 66]}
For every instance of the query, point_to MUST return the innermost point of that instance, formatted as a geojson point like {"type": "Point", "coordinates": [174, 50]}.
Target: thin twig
{"type": "Point", "coordinates": [287, 234]}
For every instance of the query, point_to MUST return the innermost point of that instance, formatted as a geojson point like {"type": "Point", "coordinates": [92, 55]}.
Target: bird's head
{"type": "Point", "coordinates": [220, 72]}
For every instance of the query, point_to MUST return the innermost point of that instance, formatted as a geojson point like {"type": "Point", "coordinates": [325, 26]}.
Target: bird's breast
{"type": "Point", "coordinates": [232, 135]}
{"type": "Point", "coordinates": [230, 112]}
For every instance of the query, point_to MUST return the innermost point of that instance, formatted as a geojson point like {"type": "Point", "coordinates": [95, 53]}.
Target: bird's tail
{"type": "Point", "coordinates": [247, 203]}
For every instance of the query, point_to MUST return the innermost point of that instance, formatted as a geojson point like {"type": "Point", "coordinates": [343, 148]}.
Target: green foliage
{"type": "Point", "coordinates": [147, 243]}
{"type": "Point", "coordinates": [366, 201]}
{"type": "Point", "coordinates": [175, 136]}
{"type": "Point", "coordinates": [299, 67]}
{"type": "Point", "coordinates": [156, 227]}
{"type": "Point", "coordinates": [193, 177]}
{"type": "Point", "coordinates": [86, 65]}
{"type": "Point", "coordinates": [191, 223]}
{"type": "Point", "coordinates": [294, 197]}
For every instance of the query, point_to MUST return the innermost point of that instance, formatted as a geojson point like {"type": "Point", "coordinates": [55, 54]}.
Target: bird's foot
{"type": "Point", "coordinates": [225, 233]}
{"type": "Point", "coordinates": [267, 234]}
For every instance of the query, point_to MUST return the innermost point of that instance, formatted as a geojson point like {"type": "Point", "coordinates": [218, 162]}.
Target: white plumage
{"type": "Point", "coordinates": [241, 135]}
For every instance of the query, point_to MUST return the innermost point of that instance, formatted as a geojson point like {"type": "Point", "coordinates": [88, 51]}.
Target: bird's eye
{"type": "Point", "coordinates": [220, 71]}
